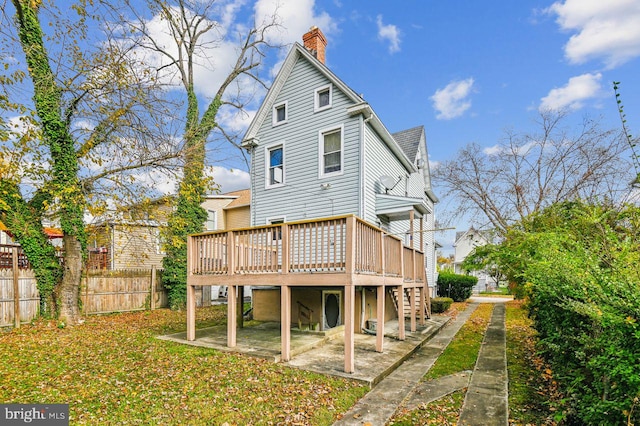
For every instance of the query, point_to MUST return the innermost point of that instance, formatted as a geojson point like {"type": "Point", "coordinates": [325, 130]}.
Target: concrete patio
{"type": "Point", "coordinates": [321, 352]}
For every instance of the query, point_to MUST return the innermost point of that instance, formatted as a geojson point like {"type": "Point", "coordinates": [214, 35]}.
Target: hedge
{"type": "Point", "coordinates": [457, 287]}
{"type": "Point", "coordinates": [440, 304]}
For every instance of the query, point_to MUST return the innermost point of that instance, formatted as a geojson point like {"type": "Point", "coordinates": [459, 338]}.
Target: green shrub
{"type": "Point", "coordinates": [440, 304]}
{"type": "Point", "coordinates": [578, 265]}
{"type": "Point", "coordinates": [458, 287]}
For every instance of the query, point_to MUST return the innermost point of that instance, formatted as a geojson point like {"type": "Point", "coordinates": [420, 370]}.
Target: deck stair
{"type": "Point", "coordinates": [406, 304]}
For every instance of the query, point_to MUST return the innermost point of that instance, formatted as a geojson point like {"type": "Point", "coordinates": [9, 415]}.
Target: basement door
{"type": "Point", "coordinates": [331, 309]}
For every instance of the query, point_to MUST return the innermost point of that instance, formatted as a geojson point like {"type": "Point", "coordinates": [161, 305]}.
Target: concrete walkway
{"type": "Point", "coordinates": [486, 401]}
{"type": "Point", "coordinates": [379, 405]}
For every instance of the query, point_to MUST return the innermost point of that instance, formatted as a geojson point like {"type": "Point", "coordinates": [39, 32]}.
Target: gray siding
{"type": "Point", "coordinates": [380, 161]}
{"type": "Point", "coordinates": [302, 196]}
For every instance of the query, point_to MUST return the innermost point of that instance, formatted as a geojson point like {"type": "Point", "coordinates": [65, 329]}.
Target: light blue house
{"type": "Point", "coordinates": [318, 150]}
{"type": "Point", "coordinates": [341, 213]}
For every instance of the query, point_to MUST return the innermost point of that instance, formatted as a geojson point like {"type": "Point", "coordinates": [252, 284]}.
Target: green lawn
{"type": "Point", "coordinates": [112, 370]}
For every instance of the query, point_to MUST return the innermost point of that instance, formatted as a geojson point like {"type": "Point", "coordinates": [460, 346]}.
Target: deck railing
{"type": "Point", "coordinates": [311, 246]}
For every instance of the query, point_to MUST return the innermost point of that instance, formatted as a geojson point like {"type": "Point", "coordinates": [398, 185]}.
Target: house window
{"type": "Point", "coordinates": [274, 165]}
{"type": "Point", "coordinates": [331, 157]}
{"type": "Point", "coordinates": [277, 234]}
{"type": "Point", "coordinates": [212, 220]}
{"type": "Point", "coordinates": [280, 113]}
{"type": "Point", "coordinates": [323, 98]}
{"type": "Point", "coordinates": [160, 242]}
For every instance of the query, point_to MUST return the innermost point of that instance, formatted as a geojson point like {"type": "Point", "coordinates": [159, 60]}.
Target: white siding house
{"type": "Point", "coordinates": [465, 243]}
{"type": "Point", "coordinates": [341, 213]}
{"type": "Point", "coordinates": [314, 161]}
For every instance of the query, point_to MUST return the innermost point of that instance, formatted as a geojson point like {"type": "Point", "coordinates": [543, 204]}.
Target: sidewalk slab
{"type": "Point", "coordinates": [486, 401]}
{"type": "Point", "coordinates": [433, 390]}
{"type": "Point", "coordinates": [378, 406]}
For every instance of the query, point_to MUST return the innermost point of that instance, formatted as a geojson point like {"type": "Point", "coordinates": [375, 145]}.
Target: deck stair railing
{"type": "Point", "coordinates": [306, 313]}
{"type": "Point", "coordinates": [406, 304]}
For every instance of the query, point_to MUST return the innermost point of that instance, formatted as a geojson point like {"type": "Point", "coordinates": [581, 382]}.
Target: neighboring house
{"type": "Point", "coordinates": [131, 237]}
{"type": "Point", "coordinates": [325, 167]}
{"type": "Point", "coordinates": [228, 211]}
{"type": "Point", "coordinates": [5, 238]}
{"type": "Point", "coordinates": [465, 243]}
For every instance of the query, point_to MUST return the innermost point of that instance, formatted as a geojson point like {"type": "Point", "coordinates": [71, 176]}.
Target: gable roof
{"type": "Point", "coordinates": [409, 140]}
{"type": "Point", "coordinates": [296, 52]}
{"type": "Point", "coordinates": [243, 199]}
{"type": "Point", "coordinates": [360, 106]}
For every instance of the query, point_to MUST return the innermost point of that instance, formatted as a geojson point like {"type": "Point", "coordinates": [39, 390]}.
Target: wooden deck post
{"type": "Point", "coordinates": [152, 301]}
{"type": "Point", "coordinates": [401, 331]}
{"type": "Point", "coordinates": [231, 291]}
{"type": "Point", "coordinates": [191, 312]}
{"type": "Point", "coordinates": [191, 292]}
{"type": "Point", "coordinates": [412, 304]}
{"type": "Point", "coordinates": [232, 306]}
{"type": "Point", "coordinates": [285, 323]}
{"type": "Point", "coordinates": [412, 215]}
{"type": "Point", "coordinates": [423, 305]}
{"type": "Point", "coordinates": [16, 288]}
{"type": "Point", "coordinates": [349, 296]}
{"type": "Point", "coordinates": [380, 309]}
{"type": "Point", "coordinates": [349, 337]}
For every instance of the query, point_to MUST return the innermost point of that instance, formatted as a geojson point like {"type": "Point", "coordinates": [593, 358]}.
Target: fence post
{"type": "Point", "coordinates": [152, 304]}
{"type": "Point", "coordinates": [85, 305]}
{"type": "Point", "coordinates": [16, 289]}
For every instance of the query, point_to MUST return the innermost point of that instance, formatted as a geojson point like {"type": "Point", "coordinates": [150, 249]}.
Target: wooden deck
{"type": "Point", "coordinates": [341, 251]}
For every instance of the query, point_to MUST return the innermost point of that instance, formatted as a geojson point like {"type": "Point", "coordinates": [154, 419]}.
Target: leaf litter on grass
{"type": "Point", "coordinates": [112, 369]}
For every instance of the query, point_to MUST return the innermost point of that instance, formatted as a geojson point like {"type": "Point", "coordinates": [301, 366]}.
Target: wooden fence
{"type": "Point", "coordinates": [19, 298]}
{"type": "Point", "coordinates": [122, 291]}
{"type": "Point", "coordinates": [100, 292]}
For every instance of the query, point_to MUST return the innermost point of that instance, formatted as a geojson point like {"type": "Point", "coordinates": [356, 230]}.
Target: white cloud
{"type": "Point", "coordinates": [229, 179]}
{"type": "Point", "coordinates": [452, 101]}
{"type": "Point", "coordinates": [389, 33]}
{"type": "Point", "coordinates": [604, 30]}
{"type": "Point", "coordinates": [521, 150]}
{"type": "Point", "coordinates": [295, 17]}
{"type": "Point", "coordinates": [493, 150]}
{"type": "Point", "coordinates": [164, 183]}
{"type": "Point", "coordinates": [234, 120]}
{"type": "Point", "coordinates": [573, 94]}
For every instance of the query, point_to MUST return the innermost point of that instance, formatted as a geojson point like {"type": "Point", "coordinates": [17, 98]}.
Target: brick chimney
{"type": "Point", "coordinates": [315, 43]}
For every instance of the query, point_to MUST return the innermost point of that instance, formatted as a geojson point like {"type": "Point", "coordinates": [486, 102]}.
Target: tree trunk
{"type": "Point", "coordinates": [69, 289]}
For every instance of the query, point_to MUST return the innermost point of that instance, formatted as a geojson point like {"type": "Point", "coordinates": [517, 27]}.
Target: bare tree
{"type": "Point", "coordinates": [180, 36]}
{"type": "Point", "coordinates": [88, 126]}
{"type": "Point", "coordinates": [527, 172]}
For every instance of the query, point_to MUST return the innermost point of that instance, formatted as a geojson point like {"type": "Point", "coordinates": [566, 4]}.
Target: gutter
{"type": "Point", "coordinates": [365, 109]}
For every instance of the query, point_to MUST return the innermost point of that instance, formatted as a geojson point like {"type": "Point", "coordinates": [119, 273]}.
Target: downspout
{"type": "Point", "coordinates": [362, 309]}
{"type": "Point", "coordinates": [363, 164]}
{"type": "Point", "coordinates": [113, 246]}
{"type": "Point", "coordinates": [252, 210]}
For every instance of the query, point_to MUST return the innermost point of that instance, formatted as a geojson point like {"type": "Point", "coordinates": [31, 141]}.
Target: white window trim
{"type": "Point", "coordinates": [276, 234]}
{"type": "Point", "coordinates": [215, 220]}
{"type": "Point", "coordinates": [267, 149]}
{"type": "Point", "coordinates": [316, 98]}
{"type": "Point", "coordinates": [321, 173]}
{"type": "Point", "coordinates": [159, 243]}
{"type": "Point", "coordinates": [276, 219]}
{"type": "Point", "coordinates": [274, 114]}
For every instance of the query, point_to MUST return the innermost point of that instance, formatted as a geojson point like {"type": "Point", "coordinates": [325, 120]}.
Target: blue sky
{"type": "Point", "coordinates": [466, 70]}
{"type": "Point", "coordinates": [469, 70]}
